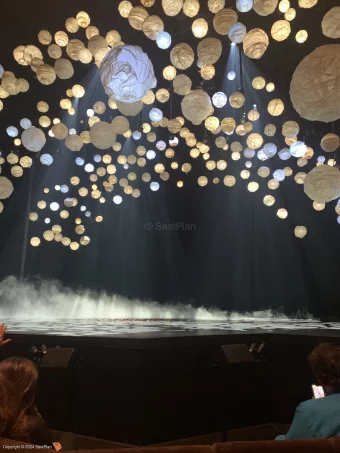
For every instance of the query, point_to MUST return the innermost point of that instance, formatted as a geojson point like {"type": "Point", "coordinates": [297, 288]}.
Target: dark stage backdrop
{"type": "Point", "coordinates": [236, 254]}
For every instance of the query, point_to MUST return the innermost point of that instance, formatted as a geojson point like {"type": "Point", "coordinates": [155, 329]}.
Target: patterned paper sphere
{"type": "Point", "coordinates": [315, 86]}
{"type": "Point", "coordinates": [33, 139]}
{"type": "Point", "coordinates": [127, 74]}
{"type": "Point", "coordinates": [265, 7]}
{"type": "Point", "coordinates": [137, 16]}
{"type": "Point", "coordinates": [199, 28]}
{"type": "Point", "coordinates": [237, 32]}
{"type": "Point", "coordinates": [6, 188]}
{"type": "Point", "coordinates": [44, 37]}
{"type": "Point", "coordinates": [172, 7]}
{"type": "Point", "coordinates": [130, 108]}
{"type": "Point", "coordinates": [300, 231]}
{"type": "Point", "coordinates": [120, 125]}
{"type": "Point", "coordinates": [290, 129]}
{"type": "Point", "coordinates": [191, 8]}
{"type": "Point", "coordinates": [182, 84]}
{"type": "Point", "coordinates": [298, 149]}
{"type": "Point", "coordinates": [281, 30]}
{"type": "Point", "coordinates": [74, 143]}
{"type": "Point", "coordinates": [209, 50]}
{"type": "Point", "coordinates": [152, 27]}
{"type": "Point", "coordinates": [46, 74]}
{"type": "Point", "coordinates": [254, 141]}
{"type": "Point", "coordinates": [330, 143]}
{"type": "Point", "coordinates": [182, 56]}
{"type": "Point", "coordinates": [223, 21]}
{"type": "Point", "coordinates": [322, 184]}
{"type": "Point", "coordinates": [255, 43]}
{"type": "Point", "coordinates": [163, 40]}
{"type": "Point", "coordinates": [307, 3]}
{"type": "Point", "coordinates": [331, 23]}
{"type": "Point", "coordinates": [244, 5]}
{"type": "Point", "coordinates": [259, 83]}
{"type": "Point", "coordinates": [215, 5]}
{"type": "Point", "coordinates": [102, 135]}
{"type": "Point", "coordinates": [237, 100]}
{"type": "Point", "coordinates": [196, 106]}
{"type": "Point", "coordinates": [63, 68]}
{"type": "Point", "coordinates": [275, 107]}
{"type": "Point", "coordinates": [207, 71]}
{"type": "Point", "coordinates": [219, 99]}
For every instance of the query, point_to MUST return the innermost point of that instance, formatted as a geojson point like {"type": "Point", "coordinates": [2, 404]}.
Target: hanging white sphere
{"type": "Point", "coordinates": [80, 161]}
{"type": "Point", "coordinates": [54, 206]}
{"type": "Point", "coordinates": [237, 32]}
{"type": "Point", "coordinates": [136, 135]}
{"type": "Point", "coordinates": [156, 114]}
{"type": "Point", "coordinates": [231, 75]}
{"type": "Point", "coordinates": [321, 159]}
{"type": "Point", "coordinates": [154, 186]}
{"type": "Point", "coordinates": [117, 199]}
{"type": "Point", "coordinates": [219, 99]}
{"type": "Point", "coordinates": [151, 154]}
{"type": "Point", "coordinates": [298, 149]}
{"type": "Point", "coordinates": [97, 158]}
{"type": "Point", "coordinates": [244, 5]}
{"type": "Point", "coordinates": [270, 150]}
{"type": "Point", "coordinates": [25, 123]}
{"type": "Point", "coordinates": [33, 139]}
{"type": "Point", "coordinates": [163, 40]}
{"type": "Point", "coordinates": [12, 131]}
{"type": "Point", "coordinates": [46, 159]}
{"type": "Point", "coordinates": [284, 154]}
{"type": "Point", "coordinates": [279, 175]}
{"type": "Point", "coordinates": [64, 188]}
{"type": "Point", "coordinates": [89, 168]}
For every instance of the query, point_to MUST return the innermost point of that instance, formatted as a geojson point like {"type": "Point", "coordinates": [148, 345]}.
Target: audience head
{"type": "Point", "coordinates": [325, 364]}
{"type": "Point", "coordinates": [18, 378]}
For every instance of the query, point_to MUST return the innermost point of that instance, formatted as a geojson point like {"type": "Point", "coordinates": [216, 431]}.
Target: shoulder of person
{"type": "Point", "coordinates": [312, 404]}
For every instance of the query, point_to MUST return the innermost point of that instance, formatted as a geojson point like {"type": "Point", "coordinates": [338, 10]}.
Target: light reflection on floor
{"type": "Point", "coordinates": [121, 328]}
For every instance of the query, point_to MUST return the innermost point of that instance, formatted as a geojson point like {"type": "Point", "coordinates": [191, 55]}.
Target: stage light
{"type": "Point", "coordinates": [154, 186]}
{"type": "Point", "coordinates": [163, 40]}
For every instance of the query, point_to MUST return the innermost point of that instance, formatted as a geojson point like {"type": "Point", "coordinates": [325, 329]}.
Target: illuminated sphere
{"type": "Point", "coordinates": [244, 5]}
{"type": "Point", "coordinates": [254, 141]}
{"type": "Point", "coordinates": [330, 23]}
{"type": "Point", "coordinates": [152, 27]}
{"type": "Point", "coordinates": [307, 3]}
{"type": "Point", "coordinates": [154, 186]}
{"type": "Point", "coordinates": [202, 181]}
{"type": "Point", "coordinates": [25, 123]}
{"type": "Point", "coordinates": [264, 172]}
{"type": "Point", "coordinates": [63, 68]}
{"type": "Point", "coordinates": [231, 75]}
{"type": "Point", "coordinates": [268, 200]}
{"type": "Point", "coordinates": [6, 188]}
{"type": "Point", "coordinates": [290, 129]}
{"type": "Point", "coordinates": [85, 56]}
{"type": "Point", "coordinates": [255, 43]}
{"type": "Point", "coordinates": [300, 177]}
{"type": "Point", "coordinates": [83, 19]}
{"type": "Point", "coordinates": [12, 131]}
{"type": "Point", "coordinates": [281, 30]}
{"type": "Point", "coordinates": [253, 115]}
{"type": "Point", "coordinates": [155, 114]}
{"type": "Point", "coordinates": [137, 16]}
{"type": "Point", "coordinates": [199, 28]}
{"type": "Point", "coordinates": [35, 241]}
{"type": "Point", "coordinates": [73, 49]}
{"type": "Point", "coordinates": [322, 184]}
{"type": "Point", "coordinates": [33, 139]}
{"type": "Point", "coordinates": [209, 50]}
{"type": "Point", "coordinates": [229, 180]}
{"type": "Point", "coordinates": [319, 206]}
{"type": "Point", "coordinates": [282, 213]}
{"type": "Point", "coordinates": [196, 106]}
{"type": "Point", "coordinates": [102, 135]}
{"type": "Point", "coordinates": [279, 175]}
{"type": "Point", "coordinates": [124, 8]}
{"type": "Point", "coordinates": [269, 150]}
{"type": "Point", "coordinates": [313, 92]}
{"type": "Point", "coordinates": [223, 20]}
{"type": "Point", "coordinates": [172, 7]}
{"type": "Point", "coordinates": [120, 124]}
{"type": "Point", "coordinates": [249, 153]}
{"type": "Point", "coordinates": [284, 6]}
{"type": "Point", "coordinates": [237, 32]}
{"type": "Point", "coordinates": [298, 149]}
{"type": "Point", "coordinates": [72, 25]}
{"type": "Point", "coordinates": [300, 232]}
{"type": "Point", "coordinates": [60, 131]}
{"type": "Point", "coordinates": [78, 91]}
{"type": "Point", "coordinates": [237, 100]}
{"type": "Point", "coordinates": [163, 40]}
{"type": "Point", "coordinates": [211, 123]}
{"type": "Point", "coordinates": [74, 143]}
{"type": "Point", "coordinates": [284, 154]}
{"type": "Point", "coordinates": [46, 74]}
{"type": "Point", "coordinates": [228, 125]}
{"type": "Point", "coordinates": [169, 73]}
{"type": "Point", "coordinates": [301, 36]}
{"type": "Point", "coordinates": [265, 7]}
{"type": "Point", "coordinates": [182, 56]}
{"type": "Point", "coordinates": [253, 186]}
{"type": "Point", "coordinates": [219, 99]}
{"type": "Point", "coordinates": [215, 5]}
{"type": "Point", "coordinates": [330, 143]}
{"type": "Point", "coordinates": [191, 8]}
{"type": "Point", "coordinates": [127, 74]}
{"type": "Point", "coordinates": [259, 83]}
{"type": "Point", "coordinates": [44, 37]}
{"type": "Point", "coordinates": [275, 107]}
{"type": "Point", "coordinates": [273, 184]}
{"type": "Point", "coordinates": [207, 71]}
{"type": "Point", "coordinates": [182, 84]}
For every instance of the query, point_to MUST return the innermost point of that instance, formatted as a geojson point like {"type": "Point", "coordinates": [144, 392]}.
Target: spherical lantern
{"type": "Point", "coordinates": [307, 3]}
{"type": "Point", "coordinates": [127, 74]}
{"type": "Point", "coordinates": [290, 129]}
{"type": "Point", "coordinates": [228, 125]}
{"type": "Point", "coordinates": [254, 141]}
{"type": "Point", "coordinates": [279, 175]}
{"type": "Point", "coordinates": [282, 213]}
{"type": "Point", "coordinates": [275, 107]}
{"type": "Point", "coordinates": [191, 8]}
{"type": "Point", "coordinates": [322, 184]}
{"type": "Point", "coordinates": [120, 124]}
{"type": "Point", "coordinates": [207, 71]}
{"type": "Point", "coordinates": [155, 114]}
{"type": "Point", "coordinates": [74, 143]}
{"type": "Point", "coordinates": [264, 172]}
{"type": "Point", "coordinates": [259, 83]}
{"type": "Point", "coordinates": [33, 139]}
{"type": "Point", "coordinates": [229, 180]}
{"type": "Point", "coordinates": [215, 5]}
{"type": "Point", "coordinates": [172, 7]}
{"type": "Point", "coordinates": [6, 188]}
{"type": "Point", "coordinates": [270, 130]}
{"type": "Point", "coordinates": [42, 107]}
{"type": "Point", "coordinates": [169, 73]}
{"type": "Point", "coordinates": [253, 186]}
{"type": "Point", "coordinates": [182, 56]}
{"type": "Point", "coordinates": [91, 31]}
{"type": "Point", "coordinates": [162, 95]}
{"type": "Point", "coordinates": [269, 150]}
{"type": "Point", "coordinates": [61, 38]}
{"type": "Point", "coordinates": [182, 84]}
{"type": "Point", "coordinates": [265, 7]}
{"type": "Point", "coordinates": [219, 99]}
{"type": "Point", "coordinates": [244, 5]}
{"type": "Point", "coordinates": [298, 149]}
{"type": "Point", "coordinates": [284, 6]}
{"type": "Point", "coordinates": [196, 106]}
{"type": "Point", "coordinates": [60, 131]}
{"type": "Point", "coordinates": [237, 32]}
{"type": "Point", "coordinates": [255, 43]}
{"type": "Point", "coordinates": [202, 181]}
{"type": "Point", "coordinates": [44, 121]}
{"type": "Point", "coordinates": [99, 107]}
{"type": "Point", "coordinates": [83, 19]}
{"type": "Point", "coordinates": [163, 40]}
{"type": "Point", "coordinates": [125, 8]}
{"type": "Point", "coordinates": [209, 50]}
{"type": "Point", "coordinates": [300, 232]}
{"type": "Point", "coordinates": [73, 49]}
{"type": "Point", "coordinates": [152, 27]}
{"type": "Point", "coordinates": [223, 21]}
{"type": "Point", "coordinates": [46, 74]}
{"type": "Point", "coordinates": [273, 184]}
{"type": "Point", "coordinates": [112, 38]}
{"type": "Point", "coordinates": [331, 23]}
{"type": "Point", "coordinates": [130, 108]}
{"type": "Point", "coordinates": [268, 200]}
{"type": "Point", "coordinates": [301, 36]}
{"type": "Point", "coordinates": [284, 154]}
{"type": "Point", "coordinates": [199, 28]}
{"type": "Point", "coordinates": [300, 177]}
{"type": "Point", "coordinates": [330, 143]}
{"type": "Point", "coordinates": [237, 100]}
{"type": "Point", "coordinates": [253, 115]}
{"type": "Point", "coordinates": [44, 37]}
{"type": "Point", "coordinates": [280, 30]}
{"type": "Point", "coordinates": [314, 92]}
{"type": "Point", "coordinates": [71, 25]}
{"type": "Point", "coordinates": [63, 68]}
{"type": "Point", "coordinates": [102, 135]}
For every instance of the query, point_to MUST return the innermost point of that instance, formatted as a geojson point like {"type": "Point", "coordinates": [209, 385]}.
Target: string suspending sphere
{"type": "Point", "coordinates": [44, 37]}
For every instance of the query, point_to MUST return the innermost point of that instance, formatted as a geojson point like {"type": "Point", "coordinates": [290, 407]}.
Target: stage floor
{"type": "Point", "coordinates": [108, 328]}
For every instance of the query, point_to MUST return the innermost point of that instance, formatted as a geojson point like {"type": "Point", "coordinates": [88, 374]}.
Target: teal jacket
{"type": "Point", "coordinates": [316, 419]}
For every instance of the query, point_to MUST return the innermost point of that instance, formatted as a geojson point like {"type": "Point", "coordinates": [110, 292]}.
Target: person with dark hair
{"type": "Point", "coordinates": [320, 418]}
{"type": "Point", "coordinates": [19, 419]}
